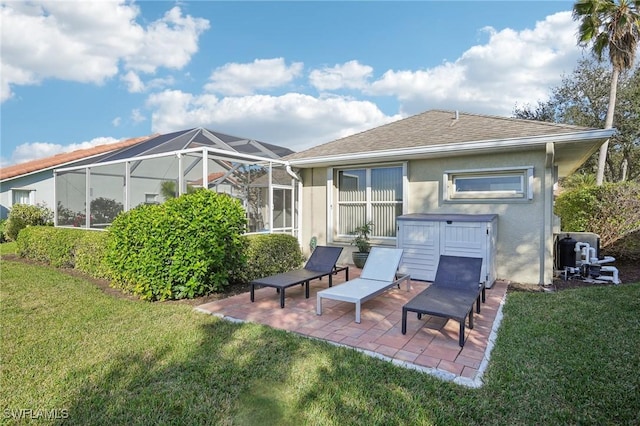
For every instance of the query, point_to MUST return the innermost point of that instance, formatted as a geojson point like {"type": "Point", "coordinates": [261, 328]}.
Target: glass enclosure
{"type": "Point", "coordinates": [92, 196]}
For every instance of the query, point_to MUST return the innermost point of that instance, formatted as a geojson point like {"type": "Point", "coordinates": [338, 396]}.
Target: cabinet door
{"type": "Point", "coordinates": [420, 241]}
{"type": "Point", "coordinates": [468, 239]}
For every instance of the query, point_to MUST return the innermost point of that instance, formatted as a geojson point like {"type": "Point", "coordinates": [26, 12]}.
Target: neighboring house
{"type": "Point", "coordinates": [32, 182]}
{"type": "Point", "coordinates": [445, 162]}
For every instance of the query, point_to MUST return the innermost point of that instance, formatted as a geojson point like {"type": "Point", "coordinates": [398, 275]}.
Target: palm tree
{"type": "Point", "coordinates": [614, 27]}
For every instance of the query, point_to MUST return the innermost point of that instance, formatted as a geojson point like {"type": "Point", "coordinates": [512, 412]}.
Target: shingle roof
{"type": "Point", "coordinates": [435, 127]}
{"type": "Point", "coordinates": [65, 158]}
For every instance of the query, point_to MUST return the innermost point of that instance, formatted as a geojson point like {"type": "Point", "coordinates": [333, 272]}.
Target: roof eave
{"type": "Point", "coordinates": [455, 149]}
{"type": "Point", "coordinates": [54, 167]}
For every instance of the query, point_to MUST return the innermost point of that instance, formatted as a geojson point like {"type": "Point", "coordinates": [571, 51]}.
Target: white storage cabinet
{"type": "Point", "coordinates": [424, 237]}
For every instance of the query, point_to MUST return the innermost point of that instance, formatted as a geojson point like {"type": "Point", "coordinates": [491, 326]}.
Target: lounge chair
{"type": "Point", "coordinates": [452, 295]}
{"type": "Point", "coordinates": [378, 275]}
{"type": "Point", "coordinates": [321, 263]}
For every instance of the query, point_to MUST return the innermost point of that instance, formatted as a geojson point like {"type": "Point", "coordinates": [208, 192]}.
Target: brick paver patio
{"type": "Point", "coordinates": [430, 345]}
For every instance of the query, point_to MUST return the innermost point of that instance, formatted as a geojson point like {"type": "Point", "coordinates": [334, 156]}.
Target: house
{"type": "Point", "coordinates": [446, 163]}
{"type": "Point", "coordinates": [439, 162]}
{"type": "Point", "coordinates": [32, 182]}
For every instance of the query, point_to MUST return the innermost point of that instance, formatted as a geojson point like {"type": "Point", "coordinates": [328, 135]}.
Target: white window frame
{"type": "Point", "coordinates": [32, 195]}
{"type": "Point", "coordinates": [332, 202]}
{"type": "Point", "coordinates": [525, 193]}
{"type": "Point", "coordinates": [147, 195]}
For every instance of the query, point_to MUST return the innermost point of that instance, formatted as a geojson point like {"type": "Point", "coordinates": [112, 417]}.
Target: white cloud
{"type": "Point", "coordinates": [350, 75]}
{"type": "Point", "coordinates": [34, 150]}
{"type": "Point", "coordinates": [133, 82]}
{"type": "Point", "coordinates": [235, 79]}
{"type": "Point", "coordinates": [512, 67]}
{"type": "Point", "coordinates": [116, 121]}
{"type": "Point", "coordinates": [137, 116]}
{"type": "Point", "coordinates": [169, 42]}
{"type": "Point", "coordinates": [86, 41]}
{"type": "Point", "coordinates": [294, 120]}
{"type": "Point", "coordinates": [136, 85]}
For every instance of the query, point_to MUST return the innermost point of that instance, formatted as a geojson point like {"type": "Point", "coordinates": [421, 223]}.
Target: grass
{"type": "Point", "coordinates": [568, 357]}
{"type": "Point", "coordinates": [8, 248]}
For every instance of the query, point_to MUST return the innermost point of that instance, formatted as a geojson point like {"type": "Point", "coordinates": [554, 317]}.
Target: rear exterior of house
{"type": "Point", "coordinates": [446, 163]}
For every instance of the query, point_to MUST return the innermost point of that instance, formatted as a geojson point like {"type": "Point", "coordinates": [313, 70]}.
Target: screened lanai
{"type": "Point", "coordinates": [92, 194]}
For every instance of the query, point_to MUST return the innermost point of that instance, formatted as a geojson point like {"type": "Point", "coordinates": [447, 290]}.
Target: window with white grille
{"type": "Point", "coordinates": [369, 194]}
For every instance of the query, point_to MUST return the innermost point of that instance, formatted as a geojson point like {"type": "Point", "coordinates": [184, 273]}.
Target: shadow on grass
{"type": "Point", "coordinates": [250, 374]}
{"type": "Point", "coordinates": [561, 358]}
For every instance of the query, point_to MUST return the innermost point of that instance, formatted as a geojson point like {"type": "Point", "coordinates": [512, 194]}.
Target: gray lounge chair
{"type": "Point", "coordinates": [378, 275]}
{"type": "Point", "coordinates": [321, 263]}
{"type": "Point", "coordinates": [452, 295]}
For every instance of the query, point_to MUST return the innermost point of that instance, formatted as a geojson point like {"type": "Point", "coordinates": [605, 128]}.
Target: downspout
{"type": "Point", "coordinates": [298, 228]}
{"type": "Point", "coordinates": [292, 173]}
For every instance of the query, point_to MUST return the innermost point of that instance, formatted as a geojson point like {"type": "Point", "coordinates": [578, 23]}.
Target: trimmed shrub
{"type": "Point", "coordinates": [55, 246]}
{"type": "Point", "coordinates": [90, 253]}
{"type": "Point", "coordinates": [2, 225]}
{"type": "Point", "coordinates": [184, 248]}
{"type": "Point", "coordinates": [269, 254]}
{"type": "Point", "coordinates": [612, 211]}
{"type": "Point", "coordinates": [23, 215]}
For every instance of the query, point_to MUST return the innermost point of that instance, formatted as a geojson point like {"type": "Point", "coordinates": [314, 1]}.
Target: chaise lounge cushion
{"type": "Point", "coordinates": [378, 275]}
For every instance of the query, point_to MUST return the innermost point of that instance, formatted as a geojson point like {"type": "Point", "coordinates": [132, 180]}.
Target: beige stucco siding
{"type": "Point", "coordinates": [521, 230]}
{"type": "Point", "coordinates": [314, 206]}
{"type": "Point", "coordinates": [520, 222]}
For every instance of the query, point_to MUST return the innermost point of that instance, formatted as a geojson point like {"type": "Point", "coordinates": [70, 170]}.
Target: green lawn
{"type": "Point", "coordinates": [565, 358]}
{"type": "Point", "coordinates": [8, 248]}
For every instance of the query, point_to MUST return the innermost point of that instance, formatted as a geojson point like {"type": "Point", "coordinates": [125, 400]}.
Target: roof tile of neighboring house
{"type": "Point", "coordinates": [64, 158]}
{"type": "Point", "coordinates": [210, 178]}
{"type": "Point", "coordinates": [435, 127]}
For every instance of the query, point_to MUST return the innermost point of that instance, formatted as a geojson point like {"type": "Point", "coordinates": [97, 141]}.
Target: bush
{"type": "Point", "coordinates": [55, 246]}
{"type": "Point", "coordinates": [23, 215]}
{"type": "Point", "coordinates": [90, 252]}
{"type": "Point", "coordinates": [612, 211]}
{"type": "Point", "coordinates": [269, 254]}
{"type": "Point", "coordinates": [2, 226]}
{"type": "Point", "coordinates": [104, 210]}
{"type": "Point", "coordinates": [184, 248]}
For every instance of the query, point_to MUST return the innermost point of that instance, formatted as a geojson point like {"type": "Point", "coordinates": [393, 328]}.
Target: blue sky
{"type": "Point", "coordinates": [76, 74]}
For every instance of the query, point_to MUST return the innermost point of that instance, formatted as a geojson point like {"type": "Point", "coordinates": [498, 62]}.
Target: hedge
{"type": "Point", "coordinates": [184, 248]}
{"type": "Point", "coordinates": [90, 254]}
{"type": "Point", "coordinates": [55, 246]}
{"type": "Point", "coordinates": [269, 254]}
{"type": "Point", "coordinates": [87, 251]}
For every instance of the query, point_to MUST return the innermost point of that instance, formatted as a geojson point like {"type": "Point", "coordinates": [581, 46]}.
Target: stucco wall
{"type": "Point", "coordinates": [521, 230]}
{"type": "Point", "coordinates": [520, 223]}
{"type": "Point", "coordinates": [314, 207]}
{"type": "Point", "coordinates": [41, 183]}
